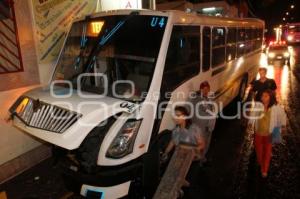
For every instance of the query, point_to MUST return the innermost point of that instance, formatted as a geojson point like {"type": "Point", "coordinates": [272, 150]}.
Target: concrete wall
{"type": "Point", "coordinates": [20, 151]}
{"type": "Point", "coordinates": [176, 5]}
{"type": "Point", "coordinates": [30, 76]}
{"type": "Point", "coordinates": [13, 142]}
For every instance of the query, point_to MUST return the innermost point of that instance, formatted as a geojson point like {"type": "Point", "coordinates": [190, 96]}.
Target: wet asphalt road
{"type": "Point", "coordinates": [284, 176]}
{"type": "Point", "coordinates": [231, 171]}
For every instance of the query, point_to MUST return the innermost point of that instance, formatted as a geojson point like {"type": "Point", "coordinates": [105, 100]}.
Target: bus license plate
{"type": "Point", "coordinates": [94, 194]}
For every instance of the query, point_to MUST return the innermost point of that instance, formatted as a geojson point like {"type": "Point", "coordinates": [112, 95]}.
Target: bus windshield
{"type": "Point", "coordinates": [115, 55]}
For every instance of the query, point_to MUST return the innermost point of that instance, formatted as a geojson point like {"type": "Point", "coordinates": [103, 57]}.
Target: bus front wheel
{"type": "Point", "coordinates": [243, 88]}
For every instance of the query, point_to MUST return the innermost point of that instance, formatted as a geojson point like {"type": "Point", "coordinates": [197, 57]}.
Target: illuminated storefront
{"type": "Point", "coordinates": [121, 4]}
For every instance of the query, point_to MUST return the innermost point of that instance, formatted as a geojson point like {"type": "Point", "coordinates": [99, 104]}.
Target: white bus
{"type": "Point", "coordinates": [111, 139]}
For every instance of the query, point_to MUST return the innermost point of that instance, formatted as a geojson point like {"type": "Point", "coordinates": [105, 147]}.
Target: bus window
{"type": "Point", "coordinates": [231, 35]}
{"type": "Point", "coordinates": [248, 42]}
{"type": "Point", "coordinates": [241, 35]}
{"type": "Point", "coordinates": [218, 55]}
{"type": "Point", "coordinates": [260, 32]}
{"type": "Point", "coordinates": [253, 39]}
{"type": "Point", "coordinates": [218, 36]}
{"type": "Point", "coordinates": [241, 42]}
{"type": "Point", "coordinates": [218, 49]}
{"type": "Point", "coordinates": [206, 39]}
{"type": "Point", "coordinates": [247, 34]}
{"type": "Point", "coordinates": [183, 57]}
{"type": "Point", "coordinates": [256, 33]}
{"type": "Point", "coordinates": [258, 38]}
{"type": "Point", "coordinates": [231, 44]}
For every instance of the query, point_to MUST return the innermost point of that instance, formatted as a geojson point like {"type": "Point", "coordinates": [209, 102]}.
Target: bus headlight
{"type": "Point", "coordinates": [22, 108]}
{"type": "Point", "coordinates": [286, 54]}
{"type": "Point", "coordinates": [123, 143]}
{"type": "Point", "coordinates": [271, 55]}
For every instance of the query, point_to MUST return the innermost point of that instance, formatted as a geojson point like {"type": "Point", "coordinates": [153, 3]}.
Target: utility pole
{"type": "Point", "coordinates": [153, 4]}
{"type": "Point", "coordinates": [149, 4]}
{"type": "Point", "coordinates": [239, 8]}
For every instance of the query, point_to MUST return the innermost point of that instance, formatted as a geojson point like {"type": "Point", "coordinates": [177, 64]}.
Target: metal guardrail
{"type": "Point", "coordinates": [174, 177]}
{"type": "Point", "coordinates": [10, 52]}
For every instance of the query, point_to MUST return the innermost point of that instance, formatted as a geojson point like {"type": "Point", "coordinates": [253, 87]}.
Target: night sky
{"type": "Point", "coordinates": [273, 11]}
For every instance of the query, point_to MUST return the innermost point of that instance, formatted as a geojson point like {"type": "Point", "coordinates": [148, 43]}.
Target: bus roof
{"type": "Point", "coordinates": [181, 17]}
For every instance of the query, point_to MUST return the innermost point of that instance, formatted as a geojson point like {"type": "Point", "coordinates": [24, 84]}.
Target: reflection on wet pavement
{"type": "Point", "coordinates": [284, 176]}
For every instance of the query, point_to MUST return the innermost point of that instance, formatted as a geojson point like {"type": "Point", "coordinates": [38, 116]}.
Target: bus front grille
{"type": "Point", "coordinates": [37, 114]}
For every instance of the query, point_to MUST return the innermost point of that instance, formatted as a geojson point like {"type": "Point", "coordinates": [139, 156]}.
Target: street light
{"type": "Point", "coordinates": [210, 9]}
{"type": "Point", "coordinates": [283, 19]}
{"type": "Point", "coordinates": [287, 13]}
{"type": "Point", "coordinates": [292, 6]}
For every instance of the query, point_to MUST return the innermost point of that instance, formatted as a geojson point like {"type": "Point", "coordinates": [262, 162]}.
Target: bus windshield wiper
{"type": "Point", "coordinates": [83, 45]}
{"type": "Point", "coordinates": [103, 40]}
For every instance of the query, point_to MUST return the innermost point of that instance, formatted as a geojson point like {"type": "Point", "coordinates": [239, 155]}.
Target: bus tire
{"type": "Point", "coordinates": [163, 141]}
{"type": "Point", "coordinates": [153, 166]}
{"type": "Point", "coordinates": [136, 188]}
{"type": "Point", "coordinates": [151, 173]}
{"type": "Point", "coordinates": [242, 90]}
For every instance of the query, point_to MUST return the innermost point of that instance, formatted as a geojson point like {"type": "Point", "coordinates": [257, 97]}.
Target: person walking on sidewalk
{"type": "Point", "coordinates": [205, 116]}
{"type": "Point", "coordinates": [185, 132]}
{"type": "Point", "coordinates": [267, 118]}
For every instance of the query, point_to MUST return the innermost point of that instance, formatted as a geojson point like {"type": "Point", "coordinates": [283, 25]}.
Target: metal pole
{"type": "Point", "coordinates": [154, 4]}
{"type": "Point", "coordinates": [240, 3]}
{"type": "Point", "coordinates": [98, 6]}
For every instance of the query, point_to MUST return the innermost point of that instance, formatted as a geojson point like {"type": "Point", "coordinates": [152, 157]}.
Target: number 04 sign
{"type": "Point", "coordinates": [121, 4]}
